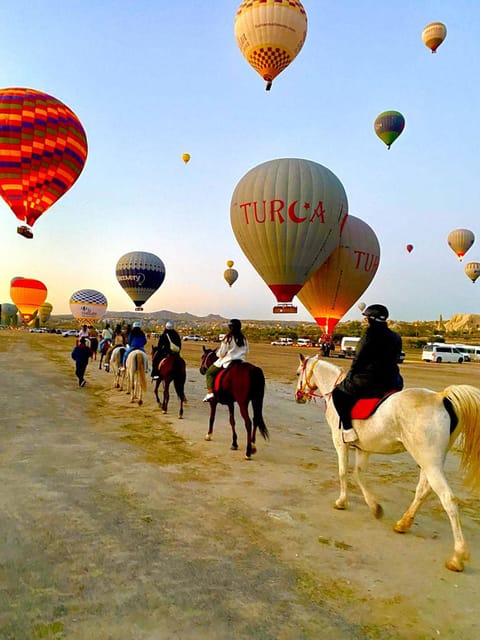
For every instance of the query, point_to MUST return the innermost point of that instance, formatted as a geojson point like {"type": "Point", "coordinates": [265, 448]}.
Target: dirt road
{"type": "Point", "coordinates": [119, 523]}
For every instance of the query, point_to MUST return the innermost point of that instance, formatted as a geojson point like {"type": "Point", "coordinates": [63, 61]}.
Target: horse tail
{"type": "Point", "coordinates": [140, 362]}
{"type": "Point", "coordinates": [179, 380]}
{"type": "Point", "coordinates": [258, 391]}
{"type": "Point", "coordinates": [465, 402]}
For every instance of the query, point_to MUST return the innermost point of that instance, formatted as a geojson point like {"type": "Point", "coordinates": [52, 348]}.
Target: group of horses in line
{"type": "Point", "coordinates": [422, 422]}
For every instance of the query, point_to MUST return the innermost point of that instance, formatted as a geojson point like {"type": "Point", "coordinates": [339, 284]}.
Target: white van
{"type": "Point", "coordinates": [440, 352]}
{"type": "Point", "coordinates": [304, 342]}
{"type": "Point", "coordinates": [348, 347]}
{"type": "Point", "coordinates": [470, 352]}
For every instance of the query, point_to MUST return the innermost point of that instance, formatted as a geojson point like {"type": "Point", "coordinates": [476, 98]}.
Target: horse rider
{"type": "Point", "coordinates": [234, 346]}
{"type": "Point", "coordinates": [136, 340]}
{"type": "Point", "coordinates": [374, 371]}
{"type": "Point", "coordinates": [107, 335]}
{"type": "Point", "coordinates": [169, 342]}
{"type": "Point", "coordinates": [83, 333]}
{"type": "Point", "coordinates": [118, 341]}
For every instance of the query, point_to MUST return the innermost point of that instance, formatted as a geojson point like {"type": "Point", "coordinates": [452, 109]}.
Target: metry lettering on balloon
{"type": "Point", "coordinates": [278, 211]}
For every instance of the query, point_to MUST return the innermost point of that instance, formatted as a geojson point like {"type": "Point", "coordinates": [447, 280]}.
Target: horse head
{"type": "Point", "coordinates": [208, 357]}
{"type": "Point", "coordinates": [316, 378]}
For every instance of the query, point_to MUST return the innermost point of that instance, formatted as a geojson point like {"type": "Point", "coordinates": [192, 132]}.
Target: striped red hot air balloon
{"type": "Point", "coordinates": [27, 294]}
{"type": "Point", "coordinates": [43, 148]}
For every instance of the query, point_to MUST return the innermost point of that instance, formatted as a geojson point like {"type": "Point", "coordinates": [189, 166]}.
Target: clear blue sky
{"type": "Point", "coordinates": [151, 80]}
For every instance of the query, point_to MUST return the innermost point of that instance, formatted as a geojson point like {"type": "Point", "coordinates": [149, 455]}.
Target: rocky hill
{"type": "Point", "coordinates": [463, 322]}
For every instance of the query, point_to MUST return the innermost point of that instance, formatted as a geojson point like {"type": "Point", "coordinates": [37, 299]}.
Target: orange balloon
{"type": "Point", "coordinates": [28, 294]}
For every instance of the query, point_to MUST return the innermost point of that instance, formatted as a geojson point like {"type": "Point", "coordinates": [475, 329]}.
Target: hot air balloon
{"type": "Point", "coordinates": [270, 34]}
{"type": "Point", "coordinates": [460, 241]}
{"type": "Point", "coordinates": [388, 126]}
{"type": "Point", "coordinates": [361, 306]}
{"type": "Point", "coordinates": [330, 292]}
{"type": "Point", "coordinates": [186, 157]}
{"type": "Point", "coordinates": [230, 274]}
{"type": "Point", "coordinates": [286, 215]}
{"type": "Point", "coordinates": [409, 248]}
{"type": "Point", "coordinates": [44, 312]}
{"type": "Point", "coordinates": [27, 294]}
{"type": "Point", "coordinates": [433, 35]}
{"type": "Point", "coordinates": [8, 311]}
{"type": "Point", "coordinates": [43, 147]}
{"type": "Point", "coordinates": [88, 306]}
{"type": "Point", "coordinates": [140, 274]}
{"type": "Point", "coordinates": [472, 269]}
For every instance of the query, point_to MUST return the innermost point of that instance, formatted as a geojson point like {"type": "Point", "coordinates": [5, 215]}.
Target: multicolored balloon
{"type": "Point", "coordinates": [230, 275]}
{"type": "Point", "coordinates": [460, 241]}
{"type": "Point", "coordinates": [27, 294]}
{"type": "Point", "coordinates": [330, 292]}
{"type": "Point", "coordinates": [186, 157]}
{"type": "Point", "coordinates": [433, 35]}
{"type": "Point", "coordinates": [286, 215]}
{"type": "Point", "coordinates": [270, 34]}
{"type": "Point", "coordinates": [140, 274]}
{"type": "Point", "coordinates": [388, 126]}
{"type": "Point", "coordinates": [88, 306]}
{"type": "Point", "coordinates": [44, 312]}
{"type": "Point", "coordinates": [361, 306]}
{"type": "Point", "coordinates": [409, 248]}
{"type": "Point", "coordinates": [472, 270]}
{"type": "Point", "coordinates": [8, 312]}
{"type": "Point", "coordinates": [43, 149]}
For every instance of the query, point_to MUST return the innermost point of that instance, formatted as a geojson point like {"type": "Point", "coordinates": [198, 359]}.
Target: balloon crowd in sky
{"type": "Point", "coordinates": [289, 216]}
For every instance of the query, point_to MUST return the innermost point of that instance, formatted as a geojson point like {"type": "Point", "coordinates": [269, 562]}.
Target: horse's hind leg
{"type": "Point", "coordinates": [211, 420]}
{"type": "Point", "coordinates": [231, 418]}
{"type": "Point", "coordinates": [421, 492]}
{"type": "Point", "coordinates": [248, 427]}
{"type": "Point", "coordinates": [361, 463]}
{"type": "Point", "coordinates": [166, 396]}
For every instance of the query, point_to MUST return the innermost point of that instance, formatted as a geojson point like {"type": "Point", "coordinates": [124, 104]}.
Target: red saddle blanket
{"type": "Point", "coordinates": [218, 379]}
{"type": "Point", "coordinates": [365, 407]}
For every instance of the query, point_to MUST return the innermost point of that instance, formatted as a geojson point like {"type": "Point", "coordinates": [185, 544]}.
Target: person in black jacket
{"type": "Point", "coordinates": [81, 354]}
{"type": "Point", "coordinates": [168, 342]}
{"type": "Point", "coordinates": [374, 370]}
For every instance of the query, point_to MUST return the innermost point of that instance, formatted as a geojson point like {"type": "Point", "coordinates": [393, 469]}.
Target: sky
{"type": "Point", "coordinates": [151, 80]}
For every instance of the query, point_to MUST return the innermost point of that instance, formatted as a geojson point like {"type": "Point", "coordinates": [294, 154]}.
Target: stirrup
{"type": "Point", "coordinates": [349, 435]}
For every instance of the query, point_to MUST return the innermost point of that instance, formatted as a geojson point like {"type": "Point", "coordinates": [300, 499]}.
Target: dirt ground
{"type": "Point", "coordinates": [120, 523]}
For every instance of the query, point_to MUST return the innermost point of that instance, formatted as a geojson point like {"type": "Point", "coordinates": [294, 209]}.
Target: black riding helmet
{"type": "Point", "coordinates": [376, 312]}
{"type": "Point", "coordinates": [235, 325]}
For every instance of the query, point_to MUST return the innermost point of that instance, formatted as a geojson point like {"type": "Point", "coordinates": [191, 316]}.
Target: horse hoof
{"type": "Point", "coordinates": [233, 448]}
{"type": "Point", "coordinates": [248, 457]}
{"type": "Point", "coordinates": [140, 402]}
{"type": "Point", "coordinates": [454, 565]}
{"type": "Point", "coordinates": [163, 411]}
{"type": "Point", "coordinates": [208, 437]}
{"type": "Point", "coordinates": [340, 505]}
{"type": "Point", "coordinates": [378, 512]}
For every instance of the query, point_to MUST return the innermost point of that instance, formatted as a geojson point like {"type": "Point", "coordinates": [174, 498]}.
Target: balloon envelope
{"type": "Point", "coordinates": [286, 215]}
{"type": "Point", "coordinates": [472, 269]}
{"type": "Point", "coordinates": [361, 306]}
{"type": "Point", "coordinates": [27, 294]}
{"type": "Point", "coordinates": [388, 126]}
{"type": "Point", "coordinates": [88, 306]}
{"type": "Point", "coordinates": [140, 274]}
{"type": "Point", "coordinates": [433, 35]}
{"type": "Point", "coordinates": [44, 312]}
{"type": "Point", "coordinates": [8, 312]}
{"type": "Point", "coordinates": [409, 248]}
{"type": "Point", "coordinates": [43, 147]}
{"type": "Point", "coordinates": [270, 34]}
{"type": "Point", "coordinates": [230, 276]}
{"type": "Point", "coordinates": [186, 157]}
{"type": "Point", "coordinates": [460, 241]}
{"type": "Point", "coordinates": [330, 292]}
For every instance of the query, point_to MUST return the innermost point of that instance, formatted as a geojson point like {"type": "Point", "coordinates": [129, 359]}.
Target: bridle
{"type": "Point", "coordinates": [309, 389]}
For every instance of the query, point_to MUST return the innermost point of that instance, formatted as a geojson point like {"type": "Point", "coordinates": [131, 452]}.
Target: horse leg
{"type": "Point", "coordinates": [213, 409]}
{"type": "Point", "coordinates": [248, 427]}
{"type": "Point", "coordinates": [421, 492]}
{"type": "Point", "coordinates": [439, 484]}
{"type": "Point", "coordinates": [361, 463]}
{"type": "Point", "coordinates": [155, 391]}
{"type": "Point", "coordinates": [231, 419]}
{"type": "Point", "coordinates": [166, 395]}
{"type": "Point", "coordinates": [342, 455]}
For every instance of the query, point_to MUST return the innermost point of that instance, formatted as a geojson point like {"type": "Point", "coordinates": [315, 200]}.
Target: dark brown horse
{"type": "Point", "coordinates": [242, 383]}
{"type": "Point", "coordinates": [106, 344]}
{"type": "Point", "coordinates": [172, 368]}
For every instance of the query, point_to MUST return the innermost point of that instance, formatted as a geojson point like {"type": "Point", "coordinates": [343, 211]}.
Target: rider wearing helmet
{"type": "Point", "coordinates": [136, 340]}
{"type": "Point", "coordinates": [374, 369]}
{"type": "Point", "coordinates": [168, 342]}
{"type": "Point", "coordinates": [234, 346]}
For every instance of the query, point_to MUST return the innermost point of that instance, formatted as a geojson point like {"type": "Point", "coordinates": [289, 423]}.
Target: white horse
{"type": "Point", "coordinates": [116, 367]}
{"type": "Point", "coordinates": [136, 367]}
{"type": "Point", "coordinates": [421, 421]}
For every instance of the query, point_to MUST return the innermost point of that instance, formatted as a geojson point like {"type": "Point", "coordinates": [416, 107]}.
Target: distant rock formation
{"type": "Point", "coordinates": [463, 322]}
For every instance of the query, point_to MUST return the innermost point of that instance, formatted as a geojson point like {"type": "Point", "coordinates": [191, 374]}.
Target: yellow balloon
{"type": "Point", "coordinates": [230, 264]}
{"type": "Point", "coordinates": [433, 35]}
{"type": "Point", "coordinates": [460, 241]}
{"type": "Point", "coordinates": [472, 270]}
{"type": "Point", "coordinates": [186, 157]}
{"type": "Point", "coordinates": [270, 34]}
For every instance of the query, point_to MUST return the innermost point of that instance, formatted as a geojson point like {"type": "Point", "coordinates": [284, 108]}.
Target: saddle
{"type": "Point", "coordinates": [365, 407]}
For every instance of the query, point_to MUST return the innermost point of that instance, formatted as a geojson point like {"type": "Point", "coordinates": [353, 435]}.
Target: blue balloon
{"type": "Point", "coordinates": [140, 274]}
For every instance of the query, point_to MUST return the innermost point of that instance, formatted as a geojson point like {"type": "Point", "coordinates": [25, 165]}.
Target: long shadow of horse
{"type": "Point", "coordinates": [172, 368]}
{"type": "Point", "coordinates": [242, 383]}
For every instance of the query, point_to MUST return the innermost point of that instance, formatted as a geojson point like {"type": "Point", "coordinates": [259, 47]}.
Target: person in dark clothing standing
{"type": "Point", "coordinates": [169, 342]}
{"type": "Point", "coordinates": [81, 354]}
{"type": "Point", "coordinates": [374, 371]}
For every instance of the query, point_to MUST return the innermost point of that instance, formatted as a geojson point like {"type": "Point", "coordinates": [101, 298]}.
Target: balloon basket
{"type": "Point", "coordinates": [25, 231]}
{"type": "Point", "coordinates": [285, 307]}
{"type": "Point", "coordinates": [138, 308]}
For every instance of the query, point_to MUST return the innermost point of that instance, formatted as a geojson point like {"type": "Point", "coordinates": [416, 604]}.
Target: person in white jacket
{"type": "Point", "coordinates": [234, 346]}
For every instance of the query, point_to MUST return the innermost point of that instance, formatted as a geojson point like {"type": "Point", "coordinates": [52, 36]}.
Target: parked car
{"type": "Point", "coordinates": [304, 342]}
{"type": "Point", "coordinates": [71, 333]}
{"type": "Point", "coordinates": [441, 352]}
{"type": "Point", "coordinates": [193, 338]}
{"type": "Point", "coordinates": [283, 342]}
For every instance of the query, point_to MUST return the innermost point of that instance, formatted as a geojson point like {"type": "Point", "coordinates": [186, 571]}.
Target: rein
{"type": "Point", "coordinates": [312, 388]}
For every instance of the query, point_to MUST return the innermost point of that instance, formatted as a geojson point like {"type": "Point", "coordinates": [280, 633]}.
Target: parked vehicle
{"type": "Point", "coordinates": [348, 347]}
{"type": "Point", "coordinates": [471, 352]}
{"type": "Point", "coordinates": [304, 342]}
{"type": "Point", "coordinates": [441, 352]}
{"type": "Point", "coordinates": [70, 333]}
{"type": "Point", "coordinates": [283, 342]}
{"type": "Point", "coordinates": [193, 338]}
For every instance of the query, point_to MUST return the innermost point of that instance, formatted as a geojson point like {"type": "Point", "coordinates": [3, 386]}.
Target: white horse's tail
{"type": "Point", "coordinates": [140, 364]}
{"type": "Point", "coordinates": [465, 401]}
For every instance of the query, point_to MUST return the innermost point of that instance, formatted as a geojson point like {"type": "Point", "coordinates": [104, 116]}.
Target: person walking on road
{"type": "Point", "coordinates": [81, 354]}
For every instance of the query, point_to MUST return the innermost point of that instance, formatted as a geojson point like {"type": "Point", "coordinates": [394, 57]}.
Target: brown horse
{"type": "Point", "coordinates": [172, 368]}
{"type": "Point", "coordinates": [242, 383]}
